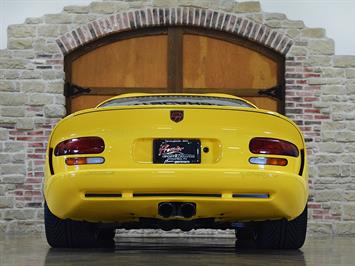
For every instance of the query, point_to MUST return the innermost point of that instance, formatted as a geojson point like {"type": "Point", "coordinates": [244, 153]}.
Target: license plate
{"type": "Point", "coordinates": [176, 151]}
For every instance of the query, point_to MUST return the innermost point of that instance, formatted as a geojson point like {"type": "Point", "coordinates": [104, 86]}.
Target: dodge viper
{"type": "Point", "coordinates": [176, 161]}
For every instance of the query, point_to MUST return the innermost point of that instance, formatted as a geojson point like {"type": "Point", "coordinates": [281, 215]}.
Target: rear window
{"type": "Point", "coordinates": [176, 100]}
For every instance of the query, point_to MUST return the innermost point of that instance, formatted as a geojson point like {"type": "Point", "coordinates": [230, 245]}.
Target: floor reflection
{"type": "Point", "coordinates": [173, 251]}
{"type": "Point", "coordinates": [33, 250]}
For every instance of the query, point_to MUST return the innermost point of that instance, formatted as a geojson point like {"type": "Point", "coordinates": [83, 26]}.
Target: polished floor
{"type": "Point", "coordinates": [33, 250]}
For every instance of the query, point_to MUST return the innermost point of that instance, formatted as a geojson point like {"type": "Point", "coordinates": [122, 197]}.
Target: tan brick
{"type": "Point", "coordinates": [41, 46]}
{"type": "Point", "coordinates": [331, 147]}
{"type": "Point", "coordinates": [274, 16]}
{"type": "Point", "coordinates": [350, 88]}
{"type": "Point", "coordinates": [320, 227]}
{"type": "Point", "coordinates": [328, 195]}
{"type": "Point", "coordinates": [7, 86]}
{"type": "Point", "coordinates": [21, 31]}
{"type": "Point", "coordinates": [53, 74]}
{"type": "Point", "coordinates": [85, 18]}
{"type": "Point", "coordinates": [54, 110]}
{"type": "Point", "coordinates": [321, 47]}
{"type": "Point", "coordinates": [293, 33]}
{"type": "Point", "coordinates": [6, 202]}
{"type": "Point", "coordinates": [32, 86]}
{"type": "Point", "coordinates": [33, 20]}
{"type": "Point", "coordinates": [334, 90]}
{"type": "Point", "coordinates": [6, 63]}
{"type": "Point", "coordinates": [328, 170]}
{"type": "Point", "coordinates": [4, 134]}
{"type": "Point", "coordinates": [20, 44]}
{"type": "Point", "coordinates": [330, 125]}
{"type": "Point", "coordinates": [25, 54]}
{"type": "Point", "coordinates": [55, 87]}
{"type": "Point", "coordinates": [25, 123]}
{"type": "Point", "coordinates": [5, 53]}
{"type": "Point", "coordinates": [247, 7]}
{"type": "Point", "coordinates": [296, 24]}
{"type": "Point", "coordinates": [31, 74]}
{"type": "Point", "coordinates": [107, 7]}
{"type": "Point", "coordinates": [273, 23]}
{"type": "Point", "coordinates": [12, 99]}
{"type": "Point", "coordinates": [48, 31]}
{"type": "Point", "coordinates": [13, 146]}
{"type": "Point", "coordinates": [317, 81]}
{"type": "Point", "coordinates": [19, 214]}
{"type": "Point", "coordinates": [61, 18]}
{"type": "Point", "coordinates": [298, 51]}
{"type": "Point", "coordinates": [349, 211]}
{"type": "Point", "coordinates": [345, 228]}
{"type": "Point", "coordinates": [333, 72]}
{"type": "Point", "coordinates": [10, 111]}
{"type": "Point", "coordinates": [18, 158]}
{"type": "Point", "coordinates": [350, 73]}
{"type": "Point", "coordinates": [313, 33]}
{"type": "Point", "coordinates": [344, 61]}
{"type": "Point", "coordinates": [325, 158]}
{"type": "Point", "coordinates": [10, 169]}
{"type": "Point", "coordinates": [40, 99]}
{"type": "Point", "coordinates": [350, 195]}
{"type": "Point", "coordinates": [77, 9]}
{"type": "Point", "coordinates": [168, 3]}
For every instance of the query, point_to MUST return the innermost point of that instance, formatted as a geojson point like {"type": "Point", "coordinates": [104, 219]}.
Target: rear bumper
{"type": "Point", "coordinates": [136, 193]}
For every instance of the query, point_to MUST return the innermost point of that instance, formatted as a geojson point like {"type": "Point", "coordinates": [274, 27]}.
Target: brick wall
{"type": "Point", "coordinates": [320, 89]}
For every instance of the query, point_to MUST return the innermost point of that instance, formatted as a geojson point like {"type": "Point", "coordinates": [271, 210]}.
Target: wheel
{"type": "Point", "coordinates": [282, 234]}
{"type": "Point", "coordinates": [74, 234]}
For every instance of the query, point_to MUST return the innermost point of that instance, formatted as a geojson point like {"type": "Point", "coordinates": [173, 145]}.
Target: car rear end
{"type": "Point", "coordinates": [122, 164]}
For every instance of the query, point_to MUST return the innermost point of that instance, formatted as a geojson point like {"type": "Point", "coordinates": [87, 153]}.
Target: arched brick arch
{"type": "Point", "coordinates": [175, 16]}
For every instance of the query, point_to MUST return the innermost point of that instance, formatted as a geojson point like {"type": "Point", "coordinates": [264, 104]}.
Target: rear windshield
{"type": "Point", "coordinates": [176, 100]}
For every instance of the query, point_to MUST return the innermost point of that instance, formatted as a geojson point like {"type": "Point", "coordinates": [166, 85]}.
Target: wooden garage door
{"type": "Point", "coordinates": [174, 60]}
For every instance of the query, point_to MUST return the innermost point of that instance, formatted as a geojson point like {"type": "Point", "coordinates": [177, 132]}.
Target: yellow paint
{"type": "Point", "coordinates": [128, 132]}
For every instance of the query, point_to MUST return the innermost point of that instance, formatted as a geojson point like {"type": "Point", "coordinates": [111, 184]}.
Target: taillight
{"type": "Point", "coordinates": [84, 160]}
{"type": "Point", "coordinates": [84, 145]}
{"type": "Point", "coordinates": [268, 161]}
{"type": "Point", "coordinates": [273, 146]}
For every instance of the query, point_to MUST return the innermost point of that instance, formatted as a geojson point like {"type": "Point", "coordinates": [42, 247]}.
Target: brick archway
{"type": "Point", "coordinates": [175, 16]}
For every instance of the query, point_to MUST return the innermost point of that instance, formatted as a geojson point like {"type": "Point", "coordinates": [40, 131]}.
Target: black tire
{"type": "Point", "coordinates": [106, 234]}
{"type": "Point", "coordinates": [282, 234]}
{"type": "Point", "coordinates": [74, 234]}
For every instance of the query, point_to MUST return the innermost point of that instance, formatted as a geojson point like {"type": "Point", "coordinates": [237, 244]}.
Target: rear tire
{"type": "Point", "coordinates": [282, 234]}
{"type": "Point", "coordinates": [74, 234]}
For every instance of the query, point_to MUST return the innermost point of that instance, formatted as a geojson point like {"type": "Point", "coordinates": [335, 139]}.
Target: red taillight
{"type": "Point", "coordinates": [84, 145]}
{"type": "Point", "coordinates": [272, 146]}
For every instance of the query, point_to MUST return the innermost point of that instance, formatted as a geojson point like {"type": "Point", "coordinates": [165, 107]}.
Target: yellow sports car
{"type": "Point", "coordinates": [170, 161]}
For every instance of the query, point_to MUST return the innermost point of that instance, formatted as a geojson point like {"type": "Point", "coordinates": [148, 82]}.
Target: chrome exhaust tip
{"type": "Point", "coordinates": [166, 209]}
{"type": "Point", "coordinates": [187, 210]}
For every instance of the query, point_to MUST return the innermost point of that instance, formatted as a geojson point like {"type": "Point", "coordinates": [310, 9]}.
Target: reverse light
{"type": "Point", "coordinates": [83, 145]}
{"type": "Point", "coordinates": [273, 146]}
{"type": "Point", "coordinates": [268, 161]}
{"type": "Point", "coordinates": [84, 160]}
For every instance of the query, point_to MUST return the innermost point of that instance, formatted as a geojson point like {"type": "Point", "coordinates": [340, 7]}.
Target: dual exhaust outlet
{"type": "Point", "coordinates": [182, 209]}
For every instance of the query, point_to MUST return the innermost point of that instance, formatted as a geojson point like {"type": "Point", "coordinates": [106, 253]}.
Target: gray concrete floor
{"type": "Point", "coordinates": [33, 250]}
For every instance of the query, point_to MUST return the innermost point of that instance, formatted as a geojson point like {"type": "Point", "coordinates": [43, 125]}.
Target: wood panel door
{"type": "Point", "coordinates": [174, 59]}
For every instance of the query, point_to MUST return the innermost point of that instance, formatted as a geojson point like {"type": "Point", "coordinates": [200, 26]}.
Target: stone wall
{"type": "Point", "coordinates": [320, 96]}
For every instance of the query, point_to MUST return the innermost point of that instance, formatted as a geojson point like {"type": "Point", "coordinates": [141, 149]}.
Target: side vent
{"type": "Point", "coordinates": [302, 163]}
{"type": "Point", "coordinates": [50, 159]}
{"type": "Point", "coordinates": [102, 195]}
